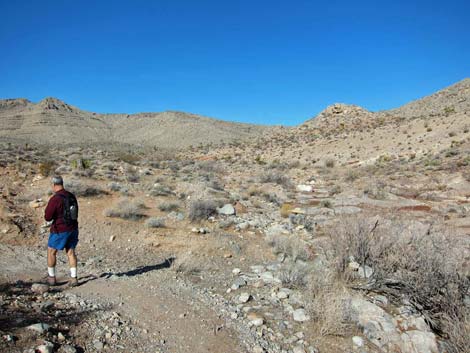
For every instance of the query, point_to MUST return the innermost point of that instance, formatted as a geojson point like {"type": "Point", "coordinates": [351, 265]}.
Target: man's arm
{"type": "Point", "coordinates": [50, 209]}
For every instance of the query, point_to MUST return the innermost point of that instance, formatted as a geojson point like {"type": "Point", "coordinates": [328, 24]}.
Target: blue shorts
{"type": "Point", "coordinates": [64, 240]}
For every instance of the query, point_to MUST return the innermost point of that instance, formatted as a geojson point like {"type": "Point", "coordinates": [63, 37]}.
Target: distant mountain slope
{"type": "Point", "coordinates": [450, 100]}
{"type": "Point", "coordinates": [52, 121]}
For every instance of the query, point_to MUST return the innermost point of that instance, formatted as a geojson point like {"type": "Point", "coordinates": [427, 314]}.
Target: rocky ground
{"type": "Point", "coordinates": [196, 255]}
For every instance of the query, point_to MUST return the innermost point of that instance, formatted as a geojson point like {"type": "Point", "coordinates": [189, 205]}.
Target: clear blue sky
{"type": "Point", "coordinates": [270, 62]}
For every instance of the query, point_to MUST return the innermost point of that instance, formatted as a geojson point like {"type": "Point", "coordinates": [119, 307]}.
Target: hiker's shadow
{"type": "Point", "coordinates": [137, 271]}
{"type": "Point", "coordinates": [144, 269]}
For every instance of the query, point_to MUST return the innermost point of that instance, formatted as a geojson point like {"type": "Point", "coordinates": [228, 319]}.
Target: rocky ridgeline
{"type": "Point", "coordinates": [451, 100]}
{"type": "Point", "coordinates": [341, 117]}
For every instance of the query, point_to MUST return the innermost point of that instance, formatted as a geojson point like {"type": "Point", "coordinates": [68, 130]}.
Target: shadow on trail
{"type": "Point", "coordinates": [142, 269]}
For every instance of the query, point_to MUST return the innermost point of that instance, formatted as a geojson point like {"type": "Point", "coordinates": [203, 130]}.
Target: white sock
{"type": "Point", "coordinates": [51, 271]}
{"type": "Point", "coordinates": [73, 272]}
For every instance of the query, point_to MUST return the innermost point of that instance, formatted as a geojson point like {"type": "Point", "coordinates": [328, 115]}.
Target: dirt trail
{"type": "Point", "coordinates": [158, 305]}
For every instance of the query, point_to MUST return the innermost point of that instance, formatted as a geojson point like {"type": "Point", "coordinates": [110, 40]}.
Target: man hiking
{"type": "Point", "coordinates": [62, 210]}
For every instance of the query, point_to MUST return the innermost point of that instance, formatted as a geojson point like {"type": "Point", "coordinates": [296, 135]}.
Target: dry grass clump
{"type": "Point", "coordinates": [329, 303]}
{"type": "Point", "coordinates": [210, 167]}
{"type": "Point", "coordinates": [302, 220]}
{"type": "Point", "coordinates": [330, 163]}
{"type": "Point", "coordinates": [202, 209]}
{"type": "Point", "coordinates": [127, 209]}
{"type": "Point", "coordinates": [428, 269]}
{"type": "Point", "coordinates": [46, 168]}
{"type": "Point", "coordinates": [294, 274]}
{"type": "Point", "coordinates": [155, 222]}
{"type": "Point", "coordinates": [276, 178]}
{"type": "Point", "coordinates": [168, 206]}
{"type": "Point", "coordinates": [291, 246]}
{"type": "Point", "coordinates": [190, 263]}
{"type": "Point", "coordinates": [351, 175]}
{"type": "Point", "coordinates": [83, 190]}
{"type": "Point", "coordinates": [160, 190]}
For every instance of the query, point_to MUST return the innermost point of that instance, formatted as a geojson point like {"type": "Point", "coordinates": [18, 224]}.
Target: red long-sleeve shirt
{"type": "Point", "coordinates": [55, 212]}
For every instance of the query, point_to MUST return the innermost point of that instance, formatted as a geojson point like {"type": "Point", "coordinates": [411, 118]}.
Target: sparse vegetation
{"type": "Point", "coordinates": [168, 206]}
{"type": "Point", "coordinates": [330, 163]}
{"type": "Point", "coordinates": [276, 178]}
{"type": "Point", "coordinates": [46, 168]}
{"type": "Point", "coordinates": [291, 246]}
{"type": "Point", "coordinates": [127, 209]}
{"type": "Point", "coordinates": [81, 189]}
{"type": "Point", "coordinates": [202, 209]}
{"type": "Point", "coordinates": [294, 274]}
{"type": "Point", "coordinates": [155, 222]}
{"type": "Point", "coordinates": [413, 264]}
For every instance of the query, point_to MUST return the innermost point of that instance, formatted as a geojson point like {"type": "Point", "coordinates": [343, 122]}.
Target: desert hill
{"type": "Point", "coordinates": [52, 121]}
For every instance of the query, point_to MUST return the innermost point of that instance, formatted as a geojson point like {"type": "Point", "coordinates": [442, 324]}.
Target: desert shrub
{"type": "Point", "coordinates": [190, 263]}
{"type": "Point", "coordinates": [302, 220]}
{"type": "Point", "coordinates": [351, 175]}
{"type": "Point", "coordinates": [155, 222]}
{"type": "Point", "coordinates": [294, 274]}
{"type": "Point", "coordinates": [168, 206]}
{"type": "Point", "coordinates": [254, 191]}
{"type": "Point", "coordinates": [449, 110]}
{"type": "Point", "coordinates": [81, 189]}
{"type": "Point", "coordinates": [114, 186]}
{"type": "Point", "coordinates": [132, 176]}
{"type": "Point", "coordinates": [126, 209]}
{"type": "Point", "coordinates": [376, 192]}
{"type": "Point", "coordinates": [336, 190]}
{"type": "Point", "coordinates": [202, 209]}
{"type": "Point", "coordinates": [330, 163]}
{"type": "Point", "coordinates": [271, 197]}
{"type": "Point", "coordinates": [326, 204]}
{"type": "Point", "coordinates": [46, 168]}
{"type": "Point", "coordinates": [210, 167]}
{"type": "Point", "coordinates": [292, 247]}
{"type": "Point", "coordinates": [276, 164]}
{"type": "Point", "coordinates": [216, 185]}
{"type": "Point", "coordinates": [160, 190]}
{"type": "Point", "coordinates": [286, 209]}
{"type": "Point", "coordinates": [81, 163]}
{"type": "Point", "coordinates": [276, 178]}
{"type": "Point", "coordinates": [328, 303]}
{"type": "Point", "coordinates": [426, 268]}
{"type": "Point", "coordinates": [128, 157]}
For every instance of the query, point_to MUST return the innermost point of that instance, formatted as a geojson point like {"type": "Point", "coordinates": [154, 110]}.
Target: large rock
{"type": "Point", "coordinates": [300, 315]}
{"type": "Point", "coordinates": [40, 288]}
{"type": "Point", "coordinates": [255, 319]}
{"type": "Point", "coordinates": [243, 298]}
{"type": "Point", "coordinates": [385, 332]}
{"type": "Point", "coordinates": [226, 210]}
{"type": "Point", "coordinates": [36, 203]}
{"type": "Point", "coordinates": [47, 347]}
{"type": "Point", "coordinates": [305, 188]}
{"type": "Point", "coordinates": [419, 342]}
{"type": "Point", "coordinates": [378, 326]}
{"type": "Point", "coordinates": [39, 327]}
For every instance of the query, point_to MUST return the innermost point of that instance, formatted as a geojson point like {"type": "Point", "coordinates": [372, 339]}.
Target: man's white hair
{"type": "Point", "coordinates": [57, 180]}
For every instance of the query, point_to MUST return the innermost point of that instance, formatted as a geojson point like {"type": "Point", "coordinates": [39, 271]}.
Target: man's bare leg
{"type": "Point", "coordinates": [73, 265]}
{"type": "Point", "coordinates": [51, 261]}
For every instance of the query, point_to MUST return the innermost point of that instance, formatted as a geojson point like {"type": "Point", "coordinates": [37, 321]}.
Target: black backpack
{"type": "Point", "coordinates": [70, 208]}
